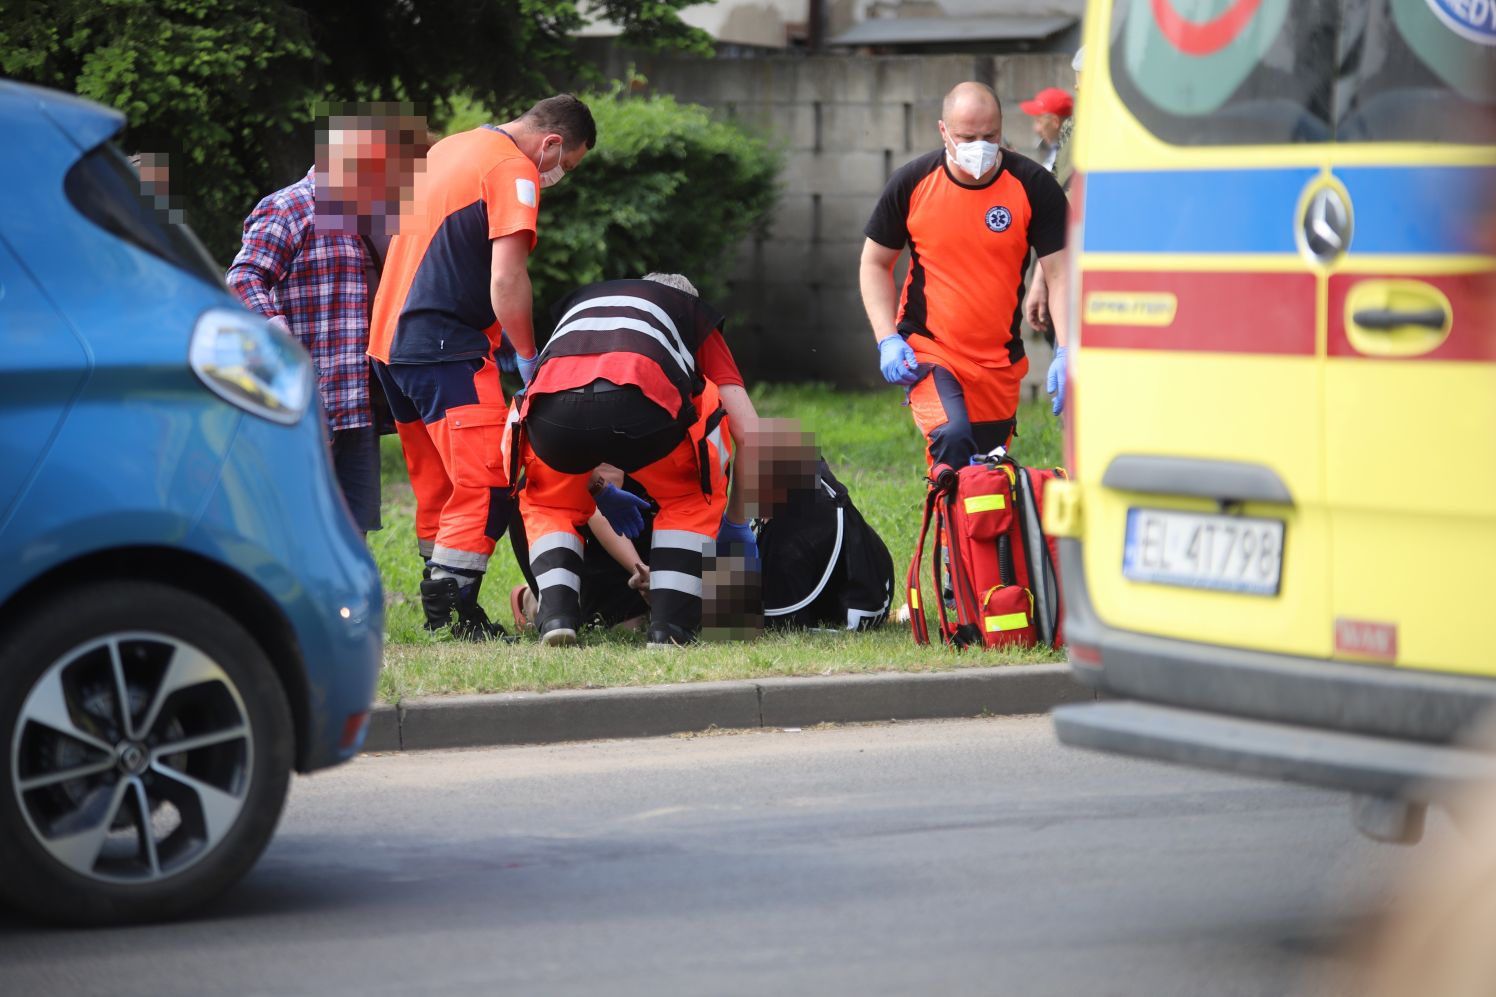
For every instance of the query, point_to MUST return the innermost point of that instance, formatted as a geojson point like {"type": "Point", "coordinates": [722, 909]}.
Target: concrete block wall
{"type": "Point", "coordinates": [844, 123]}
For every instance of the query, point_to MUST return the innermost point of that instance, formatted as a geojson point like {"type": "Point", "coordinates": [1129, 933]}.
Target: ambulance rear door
{"type": "Point", "coordinates": [1410, 377]}
{"type": "Point", "coordinates": [1197, 384]}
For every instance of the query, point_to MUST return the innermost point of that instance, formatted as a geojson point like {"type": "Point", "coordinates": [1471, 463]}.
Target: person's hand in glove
{"type": "Point", "coordinates": [736, 535]}
{"type": "Point", "coordinates": [897, 360]}
{"type": "Point", "coordinates": [1054, 381]}
{"type": "Point", "coordinates": [623, 510]}
{"type": "Point", "coordinates": [527, 366]}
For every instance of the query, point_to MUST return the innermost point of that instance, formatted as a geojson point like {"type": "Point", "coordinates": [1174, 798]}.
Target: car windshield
{"type": "Point", "coordinates": [1267, 72]}
{"type": "Point", "coordinates": [106, 190]}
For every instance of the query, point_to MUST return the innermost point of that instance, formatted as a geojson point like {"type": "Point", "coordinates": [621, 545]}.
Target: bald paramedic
{"type": "Point", "coordinates": [969, 213]}
{"type": "Point", "coordinates": [455, 284]}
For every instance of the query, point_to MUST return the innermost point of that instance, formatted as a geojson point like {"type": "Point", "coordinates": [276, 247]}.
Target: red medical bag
{"type": "Point", "coordinates": [1003, 585]}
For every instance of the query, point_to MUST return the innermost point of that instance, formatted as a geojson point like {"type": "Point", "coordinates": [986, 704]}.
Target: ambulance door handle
{"type": "Point", "coordinates": [1386, 319]}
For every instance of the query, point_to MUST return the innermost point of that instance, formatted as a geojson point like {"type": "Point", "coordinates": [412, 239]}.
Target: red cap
{"type": "Point", "coordinates": [1050, 100]}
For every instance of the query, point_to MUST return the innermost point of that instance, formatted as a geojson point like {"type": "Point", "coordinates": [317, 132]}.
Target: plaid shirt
{"type": "Point", "coordinates": [317, 283]}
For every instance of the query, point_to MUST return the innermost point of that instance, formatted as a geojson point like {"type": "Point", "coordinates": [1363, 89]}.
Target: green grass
{"type": "Point", "coordinates": [872, 446]}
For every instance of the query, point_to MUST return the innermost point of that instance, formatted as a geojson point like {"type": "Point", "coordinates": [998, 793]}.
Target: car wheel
{"type": "Point", "coordinates": [145, 752]}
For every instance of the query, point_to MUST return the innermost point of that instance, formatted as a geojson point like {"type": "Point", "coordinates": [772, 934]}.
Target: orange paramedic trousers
{"type": "Point", "coordinates": [450, 417]}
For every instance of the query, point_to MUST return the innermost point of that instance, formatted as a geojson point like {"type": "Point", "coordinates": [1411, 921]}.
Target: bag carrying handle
{"type": "Point", "coordinates": [911, 581]}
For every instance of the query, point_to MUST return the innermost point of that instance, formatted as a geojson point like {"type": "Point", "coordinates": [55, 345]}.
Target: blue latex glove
{"type": "Point", "coordinates": [896, 358]}
{"type": "Point", "coordinates": [527, 366]}
{"type": "Point", "coordinates": [1054, 381]}
{"type": "Point", "coordinates": [739, 535]}
{"type": "Point", "coordinates": [623, 510]}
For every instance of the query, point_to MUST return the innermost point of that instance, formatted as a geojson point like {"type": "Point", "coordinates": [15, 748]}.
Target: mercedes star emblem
{"type": "Point", "coordinates": [1325, 231]}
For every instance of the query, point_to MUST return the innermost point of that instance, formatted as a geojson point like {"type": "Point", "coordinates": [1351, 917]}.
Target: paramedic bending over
{"type": "Point", "coordinates": [969, 212]}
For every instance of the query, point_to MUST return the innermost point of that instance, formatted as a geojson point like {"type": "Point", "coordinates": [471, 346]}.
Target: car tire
{"type": "Point", "coordinates": [110, 815]}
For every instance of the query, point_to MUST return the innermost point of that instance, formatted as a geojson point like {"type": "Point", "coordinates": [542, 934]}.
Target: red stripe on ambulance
{"type": "Point", "coordinates": [1265, 313]}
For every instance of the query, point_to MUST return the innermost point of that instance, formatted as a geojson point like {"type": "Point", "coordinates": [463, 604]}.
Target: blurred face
{"type": "Point", "coordinates": [155, 184]}
{"type": "Point", "coordinates": [155, 174]}
{"type": "Point", "coordinates": [1047, 127]}
{"type": "Point", "coordinates": [732, 605]}
{"type": "Point", "coordinates": [367, 168]}
{"type": "Point", "coordinates": [782, 464]}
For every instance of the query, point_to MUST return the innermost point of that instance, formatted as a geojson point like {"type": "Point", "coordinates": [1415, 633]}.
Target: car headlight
{"type": "Point", "coordinates": [250, 363]}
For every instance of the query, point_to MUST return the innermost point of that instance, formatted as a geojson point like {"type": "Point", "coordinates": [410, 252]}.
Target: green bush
{"type": "Point", "coordinates": [666, 188]}
{"type": "Point", "coordinates": [229, 88]}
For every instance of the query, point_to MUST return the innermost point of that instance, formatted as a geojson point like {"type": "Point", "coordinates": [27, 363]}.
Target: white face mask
{"type": "Point", "coordinates": [551, 177]}
{"type": "Point", "coordinates": [975, 158]}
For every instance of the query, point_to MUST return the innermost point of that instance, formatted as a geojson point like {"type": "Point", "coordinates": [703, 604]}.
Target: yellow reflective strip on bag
{"type": "Point", "coordinates": [1008, 621]}
{"type": "Point", "coordinates": [914, 598]}
{"type": "Point", "coordinates": [985, 503]}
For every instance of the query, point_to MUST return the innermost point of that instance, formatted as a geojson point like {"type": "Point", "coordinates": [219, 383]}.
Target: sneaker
{"type": "Point", "coordinates": [559, 636]}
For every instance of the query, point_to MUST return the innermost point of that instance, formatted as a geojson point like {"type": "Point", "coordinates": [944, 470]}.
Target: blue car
{"type": "Point", "coordinates": [187, 611]}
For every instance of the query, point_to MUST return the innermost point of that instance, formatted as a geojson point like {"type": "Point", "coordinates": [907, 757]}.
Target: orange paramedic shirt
{"type": "Point", "coordinates": [967, 248]}
{"type": "Point", "coordinates": [433, 302]}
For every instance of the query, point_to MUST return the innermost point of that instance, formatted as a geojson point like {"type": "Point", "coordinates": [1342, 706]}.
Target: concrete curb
{"type": "Point", "coordinates": [652, 711]}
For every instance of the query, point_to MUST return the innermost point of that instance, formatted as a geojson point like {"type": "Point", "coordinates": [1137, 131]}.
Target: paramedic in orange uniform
{"type": "Point", "coordinates": [629, 378]}
{"type": "Point", "coordinates": [455, 282]}
{"type": "Point", "coordinates": [969, 213]}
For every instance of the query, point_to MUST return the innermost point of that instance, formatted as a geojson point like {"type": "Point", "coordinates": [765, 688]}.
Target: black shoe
{"type": "Point", "coordinates": [668, 635]}
{"type": "Point", "coordinates": [473, 624]}
{"type": "Point", "coordinates": [441, 596]}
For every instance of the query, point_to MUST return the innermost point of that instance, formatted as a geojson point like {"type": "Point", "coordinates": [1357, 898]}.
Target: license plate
{"type": "Point", "coordinates": [1198, 550]}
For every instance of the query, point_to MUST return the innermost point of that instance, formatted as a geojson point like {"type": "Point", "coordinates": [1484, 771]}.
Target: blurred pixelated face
{"type": "Point", "coordinates": [367, 166]}
{"type": "Point", "coordinates": [155, 173]}
{"type": "Point", "coordinates": [782, 464]}
{"type": "Point", "coordinates": [732, 605]}
{"type": "Point", "coordinates": [155, 184]}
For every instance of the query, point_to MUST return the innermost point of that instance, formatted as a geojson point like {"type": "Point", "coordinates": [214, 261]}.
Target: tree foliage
{"type": "Point", "coordinates": [667, 188]}
{"type": "Point", "coordinates": [229, 88]}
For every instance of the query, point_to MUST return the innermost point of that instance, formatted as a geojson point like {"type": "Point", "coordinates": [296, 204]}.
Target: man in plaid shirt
{"type": "Point", "coordinates": [315, 284]}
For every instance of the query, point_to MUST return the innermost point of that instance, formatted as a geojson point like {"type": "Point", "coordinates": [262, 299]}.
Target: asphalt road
{"type": "Point", "coordinates": [956, 857]}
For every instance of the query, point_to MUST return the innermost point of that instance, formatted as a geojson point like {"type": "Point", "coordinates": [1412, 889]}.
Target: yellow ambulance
{"type": "Point", "coordinates": [1278, 544]}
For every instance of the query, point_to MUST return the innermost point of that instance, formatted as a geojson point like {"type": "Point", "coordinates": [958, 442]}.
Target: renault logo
{"type": "Point", "coordinates": [1324, 230]}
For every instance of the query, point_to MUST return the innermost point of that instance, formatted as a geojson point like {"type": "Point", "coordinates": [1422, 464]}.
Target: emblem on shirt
{"type": "Point", "coordinates": [999, 218]}
{"type": "Point", "coordinates": [525, 191]}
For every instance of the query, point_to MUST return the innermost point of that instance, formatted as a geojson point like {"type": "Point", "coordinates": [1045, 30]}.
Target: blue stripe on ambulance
{"type": "Point", "coordinates": [1404, 210]}
{"type": "Point", "coordinates": [1416, 210]}
{"type": "Point", "coordinates": [1192, 211]}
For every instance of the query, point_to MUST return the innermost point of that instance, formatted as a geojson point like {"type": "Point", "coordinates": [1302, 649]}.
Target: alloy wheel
{"type": "Point", "coordinates": [132, 757]}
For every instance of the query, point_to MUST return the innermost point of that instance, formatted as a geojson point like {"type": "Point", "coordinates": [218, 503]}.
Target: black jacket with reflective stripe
{"type": "Point", "coordinates": [637, 316]}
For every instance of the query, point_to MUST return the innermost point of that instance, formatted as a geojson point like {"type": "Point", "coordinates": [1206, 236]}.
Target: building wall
{"type": "Point", "coordinates": [845, 124]}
